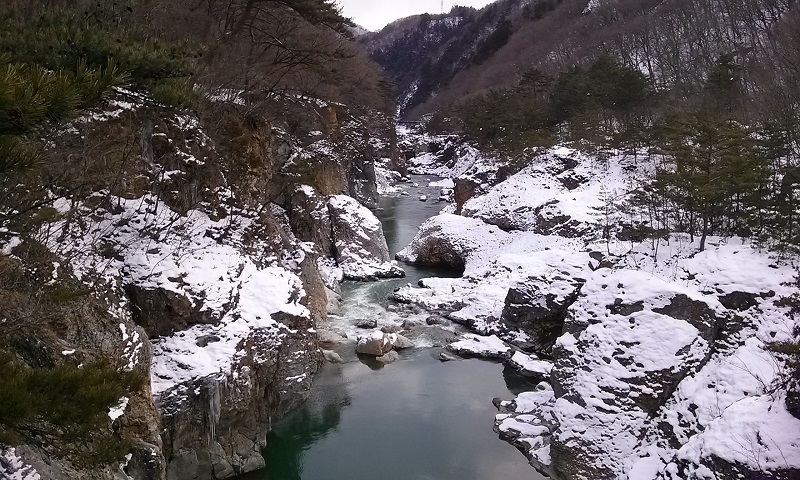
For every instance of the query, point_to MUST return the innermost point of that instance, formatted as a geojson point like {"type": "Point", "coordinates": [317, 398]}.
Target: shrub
{"type": "Point", "coordinates": [64, 409]}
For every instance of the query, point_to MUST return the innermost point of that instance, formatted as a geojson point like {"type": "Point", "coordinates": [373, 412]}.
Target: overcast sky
{"type": "Point", "coordinates": [375, 14]}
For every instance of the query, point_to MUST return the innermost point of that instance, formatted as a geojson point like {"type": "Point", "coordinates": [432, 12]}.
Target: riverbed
{"type": "Point", "coordinates": [417, 418]}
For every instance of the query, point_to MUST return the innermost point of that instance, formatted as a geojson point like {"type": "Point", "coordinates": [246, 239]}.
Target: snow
{"type": "Point", "coordinates": [193, 256]}
{"type": "Point", "coordinates": [444, 183]}
{"type": "Point", "coordinates": [625, 353]}
{"type": "Point", "coordinates": [119, 409]}
{"type": "Point", "coordinates": [10, 245]}
{"type": "Point", "coordinates": [530, 365]}
{"type": "Point", "coordinates": [490, 346]}
{"type": "Point", "coordinates": [13, 467]}
{"type": "Point", "coordinates": [753, 431]}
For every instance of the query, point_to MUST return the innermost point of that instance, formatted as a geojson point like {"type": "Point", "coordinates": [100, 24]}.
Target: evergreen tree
{"type": "Point", "coordinates": [714, 173]}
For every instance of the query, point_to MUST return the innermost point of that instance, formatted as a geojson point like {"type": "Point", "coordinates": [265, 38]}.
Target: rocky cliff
{"type": "Point", "coordinates": [657, 360]}
{"type": "Point", "coordinates": [203, 263]}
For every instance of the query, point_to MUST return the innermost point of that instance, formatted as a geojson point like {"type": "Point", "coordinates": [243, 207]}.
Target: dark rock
{"type": "Point", "coordinates": [464, 190]}
{"type": "Point", "coordinates": [435, 320]}
{"type": "Point", "coordinates": [162, 312]}
{"type": "Point", "coordinates": [543, 321]}
{"type": "Point", "coordinates": [619, 308]}
{"type": "Point", "coordinates": [409, 325]}
{"type": "Point", "coordinates": [741, 301]}
{"type": "Point", "coordinates": [204, 340]}
{"type": "Point", "coordinates": [367, 324]}
{"type": "Point", "coordinates": [310, 221]}
{"type": "Point", "coordinates": [697, 313]}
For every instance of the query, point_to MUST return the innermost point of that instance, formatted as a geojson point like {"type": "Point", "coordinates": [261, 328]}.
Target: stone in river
{"type": "Point", "coordinates": [400, 342]}
{"type": "Point", "coordinates": [377, 343]}
{"type": "Point", "coordinates": [388, 358]}
{"type": "Point", "coordinates": [371, 323]}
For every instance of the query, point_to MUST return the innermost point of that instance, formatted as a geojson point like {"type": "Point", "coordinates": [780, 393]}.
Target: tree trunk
{"type": "Point", "coordinates": [705, 233]}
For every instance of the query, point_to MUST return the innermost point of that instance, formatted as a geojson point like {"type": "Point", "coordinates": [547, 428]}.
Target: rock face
{"type": "Point", "coordinates": [345, 230]}
{"type": "Point", "coordinates": [162, 312]}
{"type": "Point", "coordinates": [611, 392]}
{"type": "Point", "coordinates": [216, 426]}
{"type": "Point", "coordinates": [219, 252]}
{"type": "Point", "coordinates": [538, 313]}
{"type": "Point", "coordinates": [359, 245]}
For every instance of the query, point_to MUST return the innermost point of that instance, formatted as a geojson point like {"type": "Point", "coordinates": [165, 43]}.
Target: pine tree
{"type": "Point", "coordinates": [714, 172]}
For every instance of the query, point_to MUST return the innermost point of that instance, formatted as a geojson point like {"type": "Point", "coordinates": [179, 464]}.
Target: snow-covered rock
{"type": "Point", "coordinates": [376, 343]}
{"type": "Point", "coordinates": [561, 191]}
{"type": "Point", "coordinates": [359, 244]}
{"type": "Point", "coordinates": [530, 365]}
{"type": "Point", "coordinates": [494, 261]}
{"type": "Point", "coordinates": [662, 365]}
{"type": "Point", "coordinates": [488, 347]}
{"type": "Point", "coordinates": [13, 467]}
{"type": "Point", "coordinates": [527, 422]}
{"type": "Point", "coordinates": [612, 377]}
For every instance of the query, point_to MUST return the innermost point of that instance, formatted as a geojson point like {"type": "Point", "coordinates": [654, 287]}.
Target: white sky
{"type": "Point", "coordinates": [375, 14]}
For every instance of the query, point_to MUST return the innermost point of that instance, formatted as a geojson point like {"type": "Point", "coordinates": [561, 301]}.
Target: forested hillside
{"type": "Point", "coordinates": [149, 153]}
{"type": "Point", "coordinates": [710, 86]}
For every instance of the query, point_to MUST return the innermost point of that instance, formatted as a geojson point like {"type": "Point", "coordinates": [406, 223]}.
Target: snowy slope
{"type": "Point", "coordinates": [663, 368]}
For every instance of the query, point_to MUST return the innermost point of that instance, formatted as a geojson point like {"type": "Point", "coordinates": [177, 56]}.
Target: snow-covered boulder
{"type": "Point", "coordinates": [527, 422]}
{"type": "Point", "coordinates": [376, 343]}
{"type": "Point", "coordinates": [530, 365]}
{"type": "Point", "coordinates": [359, 244]}
{"type": "Point", "coordinates": [448, 240]}
{"type": "Point", "coordinates": [477, 345]}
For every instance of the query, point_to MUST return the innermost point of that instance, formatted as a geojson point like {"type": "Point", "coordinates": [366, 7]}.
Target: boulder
{"type": "Point", "coordinates": [388, 357]}
{"type": "Point", "coordinates": [332, 357]}
{"type": "Point", "coordinates": [538, 307]}
{"type": "Point", "coordinates": [435, 320]}
{"type": "Point", "coordinates": [358, 242]}
{"type": "Point", "coordinates": [447, 357]}
{"type": "Point", "coordinates": [448, 240]}
{"type": "Point", "coordinates": [367, 324]}
{"type": "Point", "coordinates": [391, 328]}
{"type": "Point", "coordinates": [401, 343]}
{"type": "Point", "coordinates": [377, 343]}
{"type": "Point", "coordinates": [481, 346]}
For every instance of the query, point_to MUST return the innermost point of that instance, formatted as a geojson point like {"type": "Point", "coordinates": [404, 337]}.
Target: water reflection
{"type": "Point", "coordinates": [415, 419]}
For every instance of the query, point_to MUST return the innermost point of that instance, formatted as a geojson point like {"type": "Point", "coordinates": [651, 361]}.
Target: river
{"type": "Point", "coordinates": [415, 419]}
